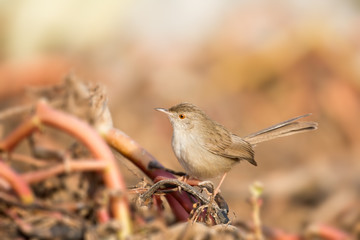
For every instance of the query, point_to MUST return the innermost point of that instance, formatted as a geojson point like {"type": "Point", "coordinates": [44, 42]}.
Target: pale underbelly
{"type": "Point", "coordinates": [205, 165]}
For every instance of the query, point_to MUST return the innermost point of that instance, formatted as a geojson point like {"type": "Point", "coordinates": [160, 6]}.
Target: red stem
{"type": "Point", "coordinates": [83, 165]}
{"type": "Point", "coordinates": [180, 213]}
{"type": "Point", "coordinates": [18, 184]}
{"type": "Point", "coordinates": [328, 232]}
{"type": "Point", "coordinates": [27, 127]}
{"type": "Point", "coordinates": [142, 159]}
{"type": "Point", "coordinates": [90, 138]}
{"type": "Point", "coordinates": [102, 215]}
{"type": "Point", "coordinates": [100, 150]}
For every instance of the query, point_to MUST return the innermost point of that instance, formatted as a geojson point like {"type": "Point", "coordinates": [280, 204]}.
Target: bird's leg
{"type": "Point", "coordinates": [189, 180]}
{"type": "Point", "coordinates": [184, 178]}
{"type": "Point", "coordinates": [221, 181]}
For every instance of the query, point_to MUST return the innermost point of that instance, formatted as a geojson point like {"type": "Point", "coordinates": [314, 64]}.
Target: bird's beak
{"type": "Point", "coordinates": [166, 111]}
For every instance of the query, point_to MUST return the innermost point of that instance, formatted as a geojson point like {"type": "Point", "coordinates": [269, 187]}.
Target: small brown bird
{"type": "Point", "coordinates": [206, 149]}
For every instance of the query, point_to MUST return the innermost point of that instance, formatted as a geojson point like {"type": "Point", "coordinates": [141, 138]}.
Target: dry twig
{"type": "Point", "coordinates": [219, 214]}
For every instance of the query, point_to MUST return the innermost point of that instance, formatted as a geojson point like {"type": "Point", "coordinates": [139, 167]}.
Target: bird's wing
{"type": "Point", "coordinates": [217, 140]}
{"type": "Point", "coordinates": [240, 148]}
{"type": "Point", "coordinates": [221, 142]}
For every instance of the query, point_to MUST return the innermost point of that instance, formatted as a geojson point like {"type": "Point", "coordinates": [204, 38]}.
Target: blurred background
{"type": "Point", "coordinates": [247, 64]}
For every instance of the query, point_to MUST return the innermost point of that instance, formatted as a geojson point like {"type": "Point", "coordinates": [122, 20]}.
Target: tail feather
{"type": "Point", "coordinates": [282, 129]}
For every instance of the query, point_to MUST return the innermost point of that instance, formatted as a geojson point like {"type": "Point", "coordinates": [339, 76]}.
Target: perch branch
{"type": "Point", "coordinates": [221, 215]}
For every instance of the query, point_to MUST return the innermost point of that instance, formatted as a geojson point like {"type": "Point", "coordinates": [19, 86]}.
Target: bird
{"type": "Point", "coordinates": [206, 149]}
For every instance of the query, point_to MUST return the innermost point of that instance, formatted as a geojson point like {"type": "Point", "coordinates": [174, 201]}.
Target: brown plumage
{"type": "Point", "coordinates": [207, 149]}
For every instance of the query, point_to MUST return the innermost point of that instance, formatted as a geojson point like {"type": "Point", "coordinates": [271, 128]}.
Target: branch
{"type": "Point", "coordinates": [68, 166]}
{"type": "Point", "coordinates": [221, 215]}
{"type": "Point", "coordinates": [17, 183]}
{"type": "Point", "coordinates": [91, 139]}
{"type": "Point", "coordinates": [143, 159]}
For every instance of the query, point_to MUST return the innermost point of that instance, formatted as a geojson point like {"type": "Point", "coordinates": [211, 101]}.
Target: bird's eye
{"type": "Point", "coordinates": [181, 116]}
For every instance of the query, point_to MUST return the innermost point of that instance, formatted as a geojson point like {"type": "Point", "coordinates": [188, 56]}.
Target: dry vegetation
{"type": "Point", "coordinates": [64, 182]}
{"type": "Point", "coordinates": [79, 162]}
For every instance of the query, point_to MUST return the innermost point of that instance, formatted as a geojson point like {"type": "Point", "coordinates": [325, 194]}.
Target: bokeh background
{"type": "Point", "coordinates": [248, 64]}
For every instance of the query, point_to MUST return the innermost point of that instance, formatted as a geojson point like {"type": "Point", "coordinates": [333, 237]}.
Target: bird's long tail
{"type": "Point", "coordinates": [282, 129]}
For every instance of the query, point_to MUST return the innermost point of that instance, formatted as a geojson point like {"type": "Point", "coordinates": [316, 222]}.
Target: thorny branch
{"type": "Point", "coordinates": [220, 214]}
